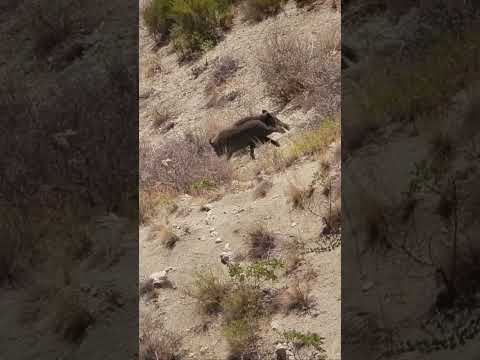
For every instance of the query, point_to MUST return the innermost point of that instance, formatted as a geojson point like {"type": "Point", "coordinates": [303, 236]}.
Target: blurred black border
{"type": "Point", "coordinates": [410, 105]}
{"type": "Point", "coordinates": [69, 179]}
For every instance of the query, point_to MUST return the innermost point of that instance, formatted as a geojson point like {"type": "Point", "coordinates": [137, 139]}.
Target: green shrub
{"type": "Point", "coordinates": [257, 10]}
{"type": "Point", "coordinates": [197, 24]}
{"type": "Point", "coordinates": [243, 302]}
{"type": "Point", "coordinates": [200, 186]}
{"type": "Point", "coordinates": [209, 290]}
{"type": "Point", "coordinates": [157, 16]}
{"type": "Point", "coordinates": [240, 335]}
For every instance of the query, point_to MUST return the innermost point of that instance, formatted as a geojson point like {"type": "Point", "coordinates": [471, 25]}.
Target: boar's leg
{"type": "Point", "coordinates": [273, 142]}
{"type": "Point", "coordinates": [252, 153]}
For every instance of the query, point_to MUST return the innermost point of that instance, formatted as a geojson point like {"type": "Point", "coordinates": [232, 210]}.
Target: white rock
{"type": "Point", "coordinates": [218, 240]}
{"type": "Point", "coordinates": [294, 224]}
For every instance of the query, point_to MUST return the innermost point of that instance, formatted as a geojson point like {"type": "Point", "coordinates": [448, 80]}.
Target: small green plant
{"type": "Point", "coordinates": [209, 290]}
{"type": "Point", "coordinates": [301, 343]}
{"type": "Point", "coordinates": [197, 24]}
{"type": "Point", "coordinates": [315, 141]}
{"type": "Point", "coordinates": [240, 335]}
{"type": "Point", "coordinates": [201, 186]}
{"type": "Point", "coordinates": [256, 273]}
{"type": "Point", "coordinates": [157, 16]}
{"type": "Point", "coordinates": [243, 302]}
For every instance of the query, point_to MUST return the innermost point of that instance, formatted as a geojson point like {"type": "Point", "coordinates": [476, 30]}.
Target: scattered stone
{"type": "Point", "coordinates": [166, 162]}
{"type": "Point", "coordinates": [274, 324]}
{"type": "Point", "coordinates": [218, 240]}
{"type": "Point", "coordinates": [160, 279]}
{"type": "Point", "coordinates": [294, 224]}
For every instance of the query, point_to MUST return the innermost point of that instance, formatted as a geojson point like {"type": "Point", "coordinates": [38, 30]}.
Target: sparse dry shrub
{"type": "Point", "coordinates": [298, 296]}
{"type": "Point", "coordinates": [151, 201]}
{"type": "Point", "coordinates": [150, 66]}
{"type": "Point", "coordinates": [158, 343]}
{"type": "Point", "coordinates": [161, 116]}
{"type": "Point", "coordinates": [70, 316]}
{"type": "Point", "coordinates": [304, 69]}
{"type": "Point", "coordinates": [146, 289]}
{"type": "Point", "coordinates": [209, 289]}
{"type": "Point", "coordinates": [223, 69]}
{"type": "Point", "coordinates": [272, 160]}
{"type": "Point", "coordinates": [165, 236]}
{"type": "Point", "coordinates": [182, 166]}
{"type": "Point", "coordinates": [293, 256]}
{"type": "Point", "coordinates": [333, 219]}
{"type": "Point", "coordinates": [261, 242]}
{"type": "Point", "coordinates": [242, 303]}
{"type": "Point", "coordinates": [241, 336]}
{"type": "Point", "coordinates": [297, 196]}
{"type": "Point", "coordinates": [262, 189]}
{"type": "Point", "coordinates": [258, 10]}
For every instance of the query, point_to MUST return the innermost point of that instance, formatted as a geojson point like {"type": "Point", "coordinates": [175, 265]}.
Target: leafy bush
{"type": "Point", "coordinates": [257, 10]}
{"type": "Point", "coordinates": [209, 290]}
{"type": "Point", "coordinates": [240, 335]}
{"type": "Point", "coordinates": [192, 25]}
{"type": "Point", "coordinates": [256, 273]}
{"type": "Point", "coordinates": [157, 15]}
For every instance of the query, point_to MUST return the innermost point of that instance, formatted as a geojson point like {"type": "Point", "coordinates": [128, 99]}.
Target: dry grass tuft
{"type": "Point", "coordinates": [209, 290]}
{"type": "Point", "coordinates": [166, 237]}
{"type": "Point", "coordinates": [262, 189]}
{"type": "Point", "coordinates": [147, 289]}
{"type": "Point", "coordinates": [183, 166]}
{"type": "Point", "coordinates": [151, 201]}
{"type": "Point", "coordinates": [298, 196]}
{"type": "Point", "coordinates": [157, 343]}
{"type": "Point", "coordinates": [223, 69]}
{"type": "Point", "coordinates": [161, 116]}
{"type": "Point", "coordinates": [243, 302]}
{"type": "Point", "coordinates": [333, 219]}
{"type": "Point", "coordinates": [298, 296]}
{"type": "Point", "coordinates": [294, 257]}
{"type": "Point", "coordinates": [261, 243]}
